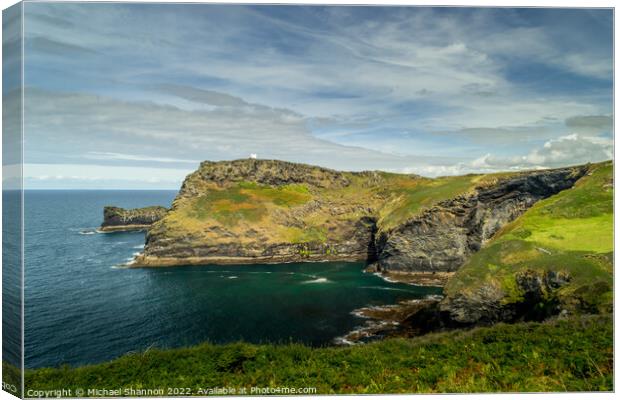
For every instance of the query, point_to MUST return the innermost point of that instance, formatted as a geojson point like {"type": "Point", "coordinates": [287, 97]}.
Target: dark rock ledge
{"type": "Point", "coordinates": [116, 219]}
{"type": "Point", "coordinates": [539, 301]}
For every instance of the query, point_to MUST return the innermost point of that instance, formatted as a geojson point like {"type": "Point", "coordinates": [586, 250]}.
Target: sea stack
{"type": "Point", "coordinates": [116, 219]}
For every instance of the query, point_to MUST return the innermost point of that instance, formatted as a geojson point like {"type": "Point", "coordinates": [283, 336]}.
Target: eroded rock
{"type": "Point", "coordinates": [444, 236]}
{"type": "Point", "coordinates": [121, 219]}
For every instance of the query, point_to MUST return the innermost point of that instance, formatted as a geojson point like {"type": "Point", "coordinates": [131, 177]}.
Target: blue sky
{"type": "Point", "coordinates": [136, 95]}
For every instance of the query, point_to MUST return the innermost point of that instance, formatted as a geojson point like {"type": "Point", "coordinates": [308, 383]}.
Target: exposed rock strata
{"type": "Point", "coordinates": [385, 321]}
{"type": "Point", "coordinates": [438, 239]}
{"type": "Point", "coordinates": [537, 300]}
{"type": "Point", "coordinates": [120, 219]}
{"type": "Point", "coordinates": [162, 251]}
{"type": "Point", "coordinates": [442, 237]}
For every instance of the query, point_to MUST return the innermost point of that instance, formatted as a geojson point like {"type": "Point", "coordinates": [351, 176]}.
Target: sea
{"type": "Point", "coordinates": [83, 305]}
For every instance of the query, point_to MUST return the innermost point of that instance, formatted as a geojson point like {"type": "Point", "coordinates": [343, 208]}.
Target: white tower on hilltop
{"type": "Point", "coordinates": [253, 156]}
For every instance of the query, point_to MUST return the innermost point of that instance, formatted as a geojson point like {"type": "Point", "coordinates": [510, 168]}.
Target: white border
{"type": "Point", "coordinates": [475, 3]}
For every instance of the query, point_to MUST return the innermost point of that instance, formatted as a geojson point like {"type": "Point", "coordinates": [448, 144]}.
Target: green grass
{"type": "Point", "coordinates": [245, 201]}
{"type": "Point", "coordinates": [571, 232]}
{"type": "Point", "coordinates": [410, 199]}
{"type": "Point", "coordinates": [562, 355]}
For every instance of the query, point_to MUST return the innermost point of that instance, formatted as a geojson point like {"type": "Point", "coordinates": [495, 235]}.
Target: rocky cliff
{"type": "Point", "coordinates": [441, 238]}
{"type": "Point", "coordinates": [557, 258]}
{"type": "Point", "coordinates": [121, 219]}
{"type": "Point", "coordinates": [249, 211]}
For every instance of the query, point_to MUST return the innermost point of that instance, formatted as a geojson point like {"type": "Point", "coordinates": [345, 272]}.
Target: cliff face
{"type": "Point", "coordinates": [557, 258]}
{"type": "Point", "coordinates": [441, 238]}
{"type": "Point", "coordinates": [250, 211]}
{"type": "Point", "coordinates": [120, 219]}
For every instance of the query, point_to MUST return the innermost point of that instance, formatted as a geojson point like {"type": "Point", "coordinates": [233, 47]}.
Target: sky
{"type": "Point", "coordinates": [136, 95]}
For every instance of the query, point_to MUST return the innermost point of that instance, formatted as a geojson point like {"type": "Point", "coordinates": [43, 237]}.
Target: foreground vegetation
{"type": "Point", "coordinates": [560, 355]}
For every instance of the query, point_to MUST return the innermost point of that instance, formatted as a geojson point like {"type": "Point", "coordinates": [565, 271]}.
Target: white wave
{"type": "Point", "coordinates": [140, 246]}
{"type": "Point", "coordinates": [359, 313]}
{"type": "Point", "coordinates": [385, 278]}
{"type": "Point", "coordinates": [318, 280]}
{"type": "Point", "coordinates": [87, 232]}
{"type": "Point", "coordinates": [233, 277]}
{"type": "Point", "coordinates": [386, 288]}
{"type": "Point", "coordinates": [361, 333]}
{"type": "Point", "coordinates": [343, 341]}
{"type": "Point", "coordinates": [137, 253]}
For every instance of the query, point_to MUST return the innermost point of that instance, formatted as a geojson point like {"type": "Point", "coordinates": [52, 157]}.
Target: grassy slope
{"type": "Point", "coordinates": [570, 355]}
{"type": "Point", "coordinates": [571, 231]}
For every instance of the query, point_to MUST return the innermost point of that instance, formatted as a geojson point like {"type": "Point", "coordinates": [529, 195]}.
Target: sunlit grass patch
{"type": "Point", "coordinates": [411, 198]}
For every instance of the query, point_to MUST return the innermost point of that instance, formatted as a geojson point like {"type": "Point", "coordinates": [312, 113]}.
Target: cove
{"type": "Point", "coordinates": [83, 308]}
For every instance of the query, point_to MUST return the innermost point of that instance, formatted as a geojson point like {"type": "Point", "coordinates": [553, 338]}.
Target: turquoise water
{"type": "Point", "coordinates": [82, 308]}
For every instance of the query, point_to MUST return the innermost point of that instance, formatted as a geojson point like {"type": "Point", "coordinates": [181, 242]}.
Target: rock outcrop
{"type": "Point", "coordinates": [440, 239]}
{"type": "Point", "coordinates": [486, 306]}
{"type": "Point", "coordinates": [554, 260]}
{"type": "Point", "coordinates": [269, 211]}
{"type": "Point", "coordinates": [266, 211]}
{"type": "Point", "coordinates": [267, 172]}
{"type": "Point", "coordinates": [117, 219]}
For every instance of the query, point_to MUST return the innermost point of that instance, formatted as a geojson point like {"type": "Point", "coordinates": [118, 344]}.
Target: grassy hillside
{"type": "Point", "coordinates": [570, 232]}
{"type": "Point", "coordinates": [314, 211]}
{"type": "Point", "coordinates": [563, 355]}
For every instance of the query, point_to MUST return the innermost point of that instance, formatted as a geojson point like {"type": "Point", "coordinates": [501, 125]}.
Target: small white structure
{"type": "Point", "coordinates": [253, 156]}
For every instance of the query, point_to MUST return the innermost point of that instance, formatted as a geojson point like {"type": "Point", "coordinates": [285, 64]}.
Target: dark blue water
{"type": "Point", "coordinates": [81, 308]}
{"type": "Point", "coordinates": [11, 277]}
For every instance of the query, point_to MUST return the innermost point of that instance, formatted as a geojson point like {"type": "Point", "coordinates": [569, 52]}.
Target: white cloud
{"type": "Point", "coordinates": [571, 149]}
{"type": "Point", "coordinates": [68, 127]}
{"type": "Point", "coordinates": [565, 151]}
